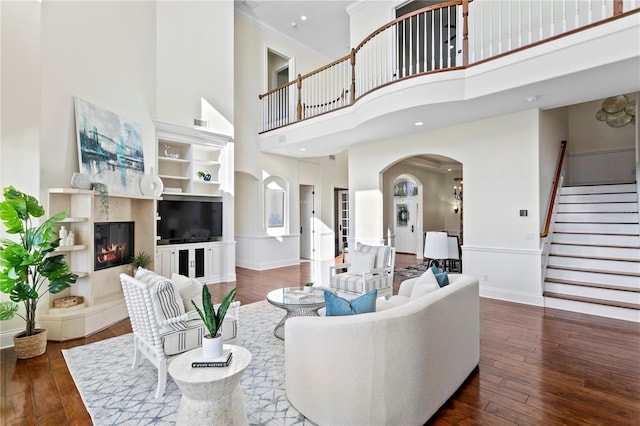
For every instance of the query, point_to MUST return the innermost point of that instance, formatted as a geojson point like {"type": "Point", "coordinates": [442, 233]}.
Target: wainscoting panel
{"type": "Point", "coordinates": [507, 274]}
{"type": "Point", "coordinates": [267, 252]}
{"type": "Point", "coordinates": [617, 166]}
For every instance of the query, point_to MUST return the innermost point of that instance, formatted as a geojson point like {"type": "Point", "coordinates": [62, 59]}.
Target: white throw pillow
{"type": "Point", "coordinates": [189, 289]}
{"type": "Point", "coordinates": [361, 262]}
{"type": "Point", "coordinates": [424, 285]}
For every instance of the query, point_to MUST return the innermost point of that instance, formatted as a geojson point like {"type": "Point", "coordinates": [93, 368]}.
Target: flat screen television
{"type": "Point", "coordinates": [189, 220]}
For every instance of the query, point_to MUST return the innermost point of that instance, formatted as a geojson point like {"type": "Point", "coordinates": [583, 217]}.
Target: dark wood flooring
{"type": "Point", "coordinates": [537, 366]}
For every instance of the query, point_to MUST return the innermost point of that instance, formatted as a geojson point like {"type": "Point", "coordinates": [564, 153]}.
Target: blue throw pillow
{"type": "Point", "coordinates": [338, 306]}
{"type": "Point", "coordinates": [441, 277]}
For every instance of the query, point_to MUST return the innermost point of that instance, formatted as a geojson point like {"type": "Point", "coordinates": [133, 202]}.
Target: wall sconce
{"type": "Point", "coordinates": [456, 208]}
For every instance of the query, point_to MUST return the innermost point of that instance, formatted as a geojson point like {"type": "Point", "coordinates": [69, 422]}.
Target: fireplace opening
{"type": "Point", "coordinates": [113, 242]}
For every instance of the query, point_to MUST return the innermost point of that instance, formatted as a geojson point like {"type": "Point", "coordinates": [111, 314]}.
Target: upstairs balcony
{"type": "Point", "coordinates": [457, 61]}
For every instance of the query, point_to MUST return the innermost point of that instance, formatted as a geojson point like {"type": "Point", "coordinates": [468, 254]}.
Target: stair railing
{"type": "Point", "coordinates": [557, 184]}
{"type": "Point", "coordinates": [554, 192]}
{"type": "Point", "coordinates": [451, 35]}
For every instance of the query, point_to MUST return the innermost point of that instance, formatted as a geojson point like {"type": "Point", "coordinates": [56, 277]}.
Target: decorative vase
{"type": "Point", "coordinates": [207, 177]}
{"type": "Point", "coordinates": [212, 346]}
{"type": "Point", "coordinates": [27, 347]}
{"type": "Point", "coordinates": [308, 288]}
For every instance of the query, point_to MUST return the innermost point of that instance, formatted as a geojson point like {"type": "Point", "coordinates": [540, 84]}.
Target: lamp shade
{"type": "Point", "coordinates": [454, 252]}
{"type": "Point", "coordinates": [436, 245]}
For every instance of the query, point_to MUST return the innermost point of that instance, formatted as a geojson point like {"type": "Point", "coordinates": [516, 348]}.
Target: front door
{"type": "Point", "coordinates": [406, 213]}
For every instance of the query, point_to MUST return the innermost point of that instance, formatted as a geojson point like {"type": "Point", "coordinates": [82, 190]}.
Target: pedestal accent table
{"type": "Point", "coordinates": [211, 395]}
{"type": "Point", "coordinates": [297, 302]}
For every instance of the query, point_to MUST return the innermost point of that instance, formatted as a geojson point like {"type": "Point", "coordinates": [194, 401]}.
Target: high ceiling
{"type": "Point", "coordinates": [325, 31]}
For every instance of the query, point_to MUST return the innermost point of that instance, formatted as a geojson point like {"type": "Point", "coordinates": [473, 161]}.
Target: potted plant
{"type": "Point", "coordinates": [140, 260]}
{"type": "Point", "coordinates": [212, 342]}
{"type": "Point", "coordinates": [308, 287]}
{"type": "Point", "coordinates": [28, 269]}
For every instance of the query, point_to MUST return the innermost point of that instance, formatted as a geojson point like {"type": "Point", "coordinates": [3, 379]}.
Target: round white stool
{"type": "Point", "coordinates": [211, 395]}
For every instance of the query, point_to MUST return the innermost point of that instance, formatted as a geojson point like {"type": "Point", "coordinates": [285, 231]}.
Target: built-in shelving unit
{"type": "Point", "coordinates": [103, 299]}
{"type": "Point", "coordinates": [183, 152]}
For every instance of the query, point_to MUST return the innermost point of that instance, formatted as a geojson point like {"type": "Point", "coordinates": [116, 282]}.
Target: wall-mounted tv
{"type": "Point", "coordinates": [185, 219]}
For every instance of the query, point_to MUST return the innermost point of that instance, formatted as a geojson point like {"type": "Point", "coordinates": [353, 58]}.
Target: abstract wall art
{"type": "Point", "coordinates": [110, 148]}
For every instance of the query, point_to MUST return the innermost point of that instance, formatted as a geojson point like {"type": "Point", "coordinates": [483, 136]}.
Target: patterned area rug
{"type": "Point", "coordinates": [114, 394]}
{"type": "Point", "coordinates": [413, 270]}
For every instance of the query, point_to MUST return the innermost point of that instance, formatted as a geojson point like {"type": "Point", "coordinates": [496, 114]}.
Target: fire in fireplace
{"type": "Point", "coordinates": [113, 242]}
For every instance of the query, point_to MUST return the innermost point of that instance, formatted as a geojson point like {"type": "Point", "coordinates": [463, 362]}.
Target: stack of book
{"type": "Point", "coordinates": [222, 361]}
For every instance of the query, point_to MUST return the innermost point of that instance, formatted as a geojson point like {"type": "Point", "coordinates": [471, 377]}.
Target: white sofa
{"type": "Point", "coordinates": [396, 366]}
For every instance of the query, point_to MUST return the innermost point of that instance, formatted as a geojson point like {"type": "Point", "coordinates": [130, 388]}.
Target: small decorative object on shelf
{"type": "Point", "coordinates": [308, 287]}
{"type": "Point", "coordinates": [80, 181]}
{"type": "Point", "coordinates": [169, 154]}
{"type": "Point", "coordinates": [67, 302]}
{"type": "Point", "coordinates": [103, 191]}
{"type": "Point", "coordinates": [63, 235]}
{"type": "Point", "coordinates": [204, 175]}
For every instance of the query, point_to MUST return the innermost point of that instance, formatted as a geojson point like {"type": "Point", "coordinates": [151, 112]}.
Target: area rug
{"type": "Point", "coordinates": [412, 270]}
{"type": "Point", "coordinates": [115, 394]}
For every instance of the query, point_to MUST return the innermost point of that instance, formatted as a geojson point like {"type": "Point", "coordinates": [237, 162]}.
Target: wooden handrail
{"type": "Point", "coordinates": [547, 225]}
{"type": "Point", "coordinates": [407, 16]}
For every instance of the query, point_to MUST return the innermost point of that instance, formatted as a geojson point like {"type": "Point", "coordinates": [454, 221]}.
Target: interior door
{"type": "Point", "coordinates": [405, 215]}
{"type": "Point", "coordinates": [342, 220]}
{"type": "Point", "coordinates": [307, 213]}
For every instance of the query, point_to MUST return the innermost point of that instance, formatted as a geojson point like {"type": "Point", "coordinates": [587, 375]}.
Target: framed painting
{"type": "Point", "coordinates": [275, 208]}
{"type": "Point", "coordinates": [110, 148]}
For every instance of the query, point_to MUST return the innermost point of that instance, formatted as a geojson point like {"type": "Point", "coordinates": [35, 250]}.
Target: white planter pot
{"type": "Point", "coordinates": [212, 346]}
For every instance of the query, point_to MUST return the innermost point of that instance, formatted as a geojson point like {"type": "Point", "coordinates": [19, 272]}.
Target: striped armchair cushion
{"type": "Point", "coordinates": [178, 341]}
{"type": "Point", "coordinates": [353, 283]}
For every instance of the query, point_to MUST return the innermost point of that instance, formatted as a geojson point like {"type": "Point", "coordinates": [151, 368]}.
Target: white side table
{"type": "Point", "coordinates": [211, 395]}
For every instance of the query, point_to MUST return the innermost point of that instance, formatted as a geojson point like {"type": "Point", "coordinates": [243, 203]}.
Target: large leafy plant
{"type": "Point", "coordinates": [28, 269]}
{"type": "Point", "coordinates": [212, 319]}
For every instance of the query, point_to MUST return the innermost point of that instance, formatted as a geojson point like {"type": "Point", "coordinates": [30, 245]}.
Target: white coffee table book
{"type": "Point", "coordinates": [211, 395]}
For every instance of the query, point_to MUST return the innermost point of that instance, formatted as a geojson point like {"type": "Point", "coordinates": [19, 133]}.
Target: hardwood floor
{"type": "Point", "coordinates": [537, 366]}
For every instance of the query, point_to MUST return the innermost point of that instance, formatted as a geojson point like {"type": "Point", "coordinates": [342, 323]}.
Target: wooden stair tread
{"type": "Point", "coordinates": [587, 244]}
{"type": "Point", "coordinates": [595, 271]}
{"type": "Point", "coordinates": [579, 256]}
{"type": "Point", "coordinates": [591, 285]}
{"type": "Point", "coordinates": [593, 300]}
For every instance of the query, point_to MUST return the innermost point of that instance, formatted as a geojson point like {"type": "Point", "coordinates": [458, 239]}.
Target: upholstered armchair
{"type": "Point", "coordinates": [162, 328]}
{"type": "Point", "coordinates": [369, 267]}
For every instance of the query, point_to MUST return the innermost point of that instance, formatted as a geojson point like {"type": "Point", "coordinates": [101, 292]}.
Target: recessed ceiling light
{"type": "Point", "coordinates": [303, 18]}
{"type": "Point", "coordinates": [532, 98]}
{"type": "Point", "coordinates": [418, 123]}
{"type": "Point", "coordinates": [303, 149]}
{"type": "Point", "coordinates": [293, 24]}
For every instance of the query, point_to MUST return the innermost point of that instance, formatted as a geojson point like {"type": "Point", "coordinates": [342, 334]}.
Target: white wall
{"type": "Point", "coordinates": [194, 59]}
{"type": "Point", "coordinates": [118, 55]}
{"type": "Point", "coordinates": [20, 119]}
{"type": "Point", "coordinates": [590, 135]}
{"type": "Point", "coordinates": [367, 16]}
{"type": "Point", "coordinates": [254, 248]}
{"type": "Point", "coordinates": [500, 157]}
{"type": "Point", "coordinates": [553, 130]}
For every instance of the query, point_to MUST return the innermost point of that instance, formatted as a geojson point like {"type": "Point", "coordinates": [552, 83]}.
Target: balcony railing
{"type": "Point", "coordinates": [447, 36]}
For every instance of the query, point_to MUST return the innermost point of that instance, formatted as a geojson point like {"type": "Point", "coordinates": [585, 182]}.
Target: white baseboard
{"type": "Point", "coordinates": [6, 337]}
{"type": "Point", "coordinates": [511, 296]}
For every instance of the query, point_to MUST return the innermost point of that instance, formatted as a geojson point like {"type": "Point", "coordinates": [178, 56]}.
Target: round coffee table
{"type": "Point", "coordinates": [211, 395]}
{"type": "Point", "coordinates": [297, 302]}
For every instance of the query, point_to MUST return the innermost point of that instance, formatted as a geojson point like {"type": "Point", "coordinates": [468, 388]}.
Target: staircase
{"type": "Point", "coordinates": [594, 256]}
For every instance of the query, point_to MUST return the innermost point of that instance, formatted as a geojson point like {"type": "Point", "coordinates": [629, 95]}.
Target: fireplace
{"type": "Point", "coordinates": [113, 242]}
